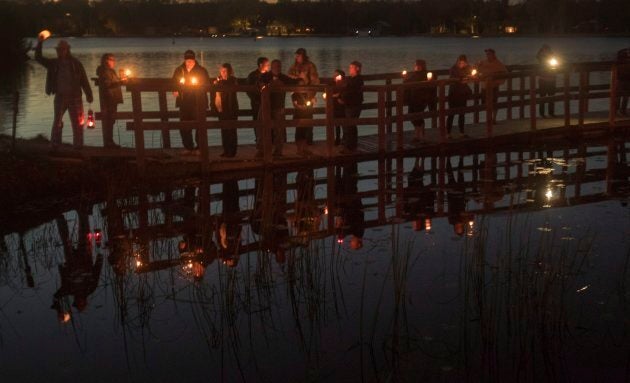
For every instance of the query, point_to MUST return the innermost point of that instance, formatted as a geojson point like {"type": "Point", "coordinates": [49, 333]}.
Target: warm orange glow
{"type": "Point", "coordinates": [127, 72]}
{"type": "Point", "coordinates": [324, 96]}
{"type": "Point", "coordinates": [404, 73]}
{"type": "Point", "coordinates": [138, 263]}
{"type": "Point", "coordinates": [473, 72]}
{"type": "Point", "coordinates": [66, 318]}
{"type": "Point", "coordinates": [44, 34]}
{"type": "Point", "coordinates": [308, 103]}
{"type": "Point", "coordinates": [182, 80]}
{"type": "Point", "coordinates": [429, 75]}
{"type": "Point", "coordinates": [338, 78]}
{"type": "Point", "coordinates": [553, 62]}
{"type": "Point", "coordinates": [325, 209]}
{"type": "Point", "coordinates": [193, 80]}
{"type": "Point", "coordinates": [427, 224]}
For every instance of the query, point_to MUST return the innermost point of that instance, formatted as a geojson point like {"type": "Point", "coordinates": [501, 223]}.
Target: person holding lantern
{"type": "Point", "coordinates": [225, 104]}
{"type": "Point", "coordinates": [66, 79]}
{"type": "Point", "coordinates": [190, 75]}
{"type": "Point", "coordinates": [303, 102]}
{"type": "Point", "coordinates": [419, 98]}
{"type": "Point", "coordinates": [110, 95]}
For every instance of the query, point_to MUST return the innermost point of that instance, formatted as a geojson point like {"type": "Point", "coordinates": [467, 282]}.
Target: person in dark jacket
{"type": "Point", "coordinates": [303, 102]}
{"type": "Point", "coordinates": [254, 79]}
{"type": "Point", "coordinates": [225, 104]}
{"type": "Point", "coordinates": [110, 95]}
{"type": "Point", "coordinates": [418, 99]}
{"type": "Point", "coordinates": [623, 80]}
{"type": "Point", "coordinates": [352, 99]}
{"type": "Point", "coordinates": [546, 79]}
{"type": "Point", "coordinates": [338, 108]}
{"type": "Point", "coordinates": [458, 92]}
{"type": "Point", "coordinates": [65, 78]}
{"type": "Point", "coordinates": [189, 75]}
{"type": "Point", "coordinates": [275, 78]}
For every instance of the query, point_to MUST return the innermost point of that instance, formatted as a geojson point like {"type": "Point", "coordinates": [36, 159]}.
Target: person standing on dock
{"type": "Point", "coordinates": [489, 68]}
{"type": "Point", "coordinates": [303, 102]}
{"type": "Point", "coordinates": [338, 109]}
{"type": "Point", "coordinates": [458, 93]}
{"type": "Point", "coordinates": [65, 78]}
{"type": "Point", "coordinates": [275, 78]}
{"type": "Point", "coordinates": [225, 104]}
{"type": "Point", "coordinates": [110, 95]}
{"type": "Point", "coordinates": [352, 99]}
{"type": "Point", "coordinates": [190, 74]}
{"type": "Point", "coordinates": [419, 98]}
{"type": "Point", "coordinates": [623, 80]}
{"type": "Point", "coordinates": [546, 79]}
{"type": "Point", "coordinates": [254, 79]}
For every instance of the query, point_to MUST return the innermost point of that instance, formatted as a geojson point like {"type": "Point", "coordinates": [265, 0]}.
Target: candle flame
{"type": "Point", "coordinates": [325, 209]}
{"type": "Point", "coordinates": [429, 75]}
{"type": "Point", "coordinates": [182, 80]}
{"type": "Point", "coordinates": [127, 72]}
{"type": "Point", "coordinates": [404, 73]}
{"type": "Point", "coordinates": [44, 34]}
{"type": "Point", "coordinates": [338, 78]}
{"type": "Point", "coordinates": [324, 96]}
{"type": "Point", "coordinates": [308, 103]}
{"type": "Point", "coordinates": [553, 62]}
{"type": "Point", "coordinates": [427, 224]}
{"type": "Point", "coordinates": [473, 72]}
{"type": "Point", "coordinates": [66, 317]}
{"type": "Point", "coordinates": [193, 80]}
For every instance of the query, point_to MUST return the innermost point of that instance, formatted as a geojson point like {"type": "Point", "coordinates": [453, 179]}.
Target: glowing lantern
{"type": "Point", "coordinates": [44, 34]}
{"type": "Point", "coordinates": [90, 119]}
{"type": "Point", "coordinates": [429, 76]}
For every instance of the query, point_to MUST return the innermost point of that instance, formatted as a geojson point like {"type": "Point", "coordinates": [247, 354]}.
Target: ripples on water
{"type": "Point", "coordinates": [159, 56]}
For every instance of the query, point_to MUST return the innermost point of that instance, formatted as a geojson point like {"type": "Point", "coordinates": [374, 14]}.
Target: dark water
{"type": "Point", "coordinates": [159, 56]}
{"type": "Point", "coordinates": [472, 268]}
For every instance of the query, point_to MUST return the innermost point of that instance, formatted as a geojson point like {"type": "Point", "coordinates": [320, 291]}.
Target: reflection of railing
{"type": "Point", "coordinates": [487, 179]}
{"type": "Point", "coordinates": [517, 97]}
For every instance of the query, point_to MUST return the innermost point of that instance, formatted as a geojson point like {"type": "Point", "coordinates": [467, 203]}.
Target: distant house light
{"type": "Point", "coordinates": [510, 29]}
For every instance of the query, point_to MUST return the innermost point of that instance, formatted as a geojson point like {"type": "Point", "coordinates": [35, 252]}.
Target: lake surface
{"type": "Point", "coordinates": [158, 57]}
{"type": "Point", "coordinates": [475, 265]}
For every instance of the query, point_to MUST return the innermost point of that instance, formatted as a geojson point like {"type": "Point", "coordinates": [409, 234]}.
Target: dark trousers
{"type": "Point", "coordinates": [108, 111]}
{"type": "Point", "coordinates": [456, 102]}
{"type": "Point", "coordinates": [255, 115]}
{"type": "Point", "coordinates": [546, 88]}
{"type": "Point", "coordinates": [278, 134]}
{"type": "Point", "coordinates": [495, 100]}
{"type": "Point", "coordinates": [74, 106]}
{"type": "Point", "coordinates": [188, 113]}
{"type": "Point", "coordinates": [350, 132]}
{"type": "Point", "coordinates": [303, 133]}
{"type": "Point", "coordinates": [229, 139]}
{"type": "Point", "coordinates": [419, 108]}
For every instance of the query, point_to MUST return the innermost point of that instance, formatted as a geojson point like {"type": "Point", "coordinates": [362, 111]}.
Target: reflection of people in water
{"type": "Point", "coordinates": [79, 274]}
{"type": "Point", "coordinates": [350, 217]}
{"type": "Point", "coordinates": [306, 210]}
{"type": "Point", "coordinates": [456, 198]}
{"type": "Point", "coordinates": [229, 225]}
{"type": "Point", "coordinates": [268, 218]}
{"type": "Point", "coordinates": [419, 198]}
{"type": "Point", "coordinates": [618, 173]}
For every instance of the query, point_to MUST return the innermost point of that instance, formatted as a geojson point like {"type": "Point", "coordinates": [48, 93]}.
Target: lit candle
{"type": "Point", "coordinates": [308, 103]}
{"type": "Point", "coordinates": [182, 80]}
{"type": "Point", "coordinates": [473, 72]}
{"type": "Point", "coordinates": [324, 96]}
{"type": "Point", "coordinates": [427, 224]}
{"type": "Point", "coordinates": [429, 76]}
{"type": "Point", "coordinates": [44, 34]}
{"type": "Point", "coordinates": [193, 80]}
{"type": "Point", "coordinates": [553, 62]}
{"type": "Point", "coordinates": [127, 72]}
{"type": "Point", "coordinates": [66, 318]}
{"type": "Point", "coordinates": [325, 207]}
{"type": "Point", "coordinates": [404, 73]}
{"type": "Point", "coordinates": [338, 78]}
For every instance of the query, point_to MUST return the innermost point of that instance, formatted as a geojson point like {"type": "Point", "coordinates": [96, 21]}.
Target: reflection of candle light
{"type": "Point", "coordinates": [66, 317]}
{"type": "Point", "coordinates": [427, 224]}
{"type": "Point", "coordinates": [338, 78]}
{"type": "Point", "coordinates": [324, 96]}
{"type": "Point", "coordinates": [325, 209]}
{"type": "Point", "coordinates": [308, 103]}
{"type": "Point", "coordinates": [549, 194]}
{"type": "Point", "coordinates": [182, 80]}
{"type": "Point", "coordinates": [340, 239]}
{"type": "Point", "coordinates": [138, 263]}
{"type": "Point", "coordinates": [404, 73]}
{"type": "Point", "coordinates": [44, 34]}
{"type": "Point", "coordinates": [473, 72]}
{"type": "Point", "coordinates": [429, 75]}
{"type": "Point", "coordinates": [193, 80]}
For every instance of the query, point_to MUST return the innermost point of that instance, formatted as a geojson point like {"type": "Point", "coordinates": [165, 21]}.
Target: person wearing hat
{"type": "Point", "coordinates": [488, 68]}
{"type": "Point", "coordinates": [303, 102]}
{"type": "Point", "coordinates": [66, 79]}
{"type": "Point", "coordinates": [109, 95]}
{"type": "Point", "coordinates": [187, 75]}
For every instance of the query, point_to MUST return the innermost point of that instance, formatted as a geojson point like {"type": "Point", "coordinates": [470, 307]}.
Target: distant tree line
{"type": "Point", "coordinates": [113, 17]}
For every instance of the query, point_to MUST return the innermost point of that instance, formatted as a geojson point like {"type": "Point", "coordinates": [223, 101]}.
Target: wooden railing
{"type": "Point", "coordinates": [385, 106]}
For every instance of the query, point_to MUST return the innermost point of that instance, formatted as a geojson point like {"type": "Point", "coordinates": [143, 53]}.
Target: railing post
{"type": "Point", "coordinates": [476, 102]}
{"type": "Point", "coordinates": [489, 107]}
{"type": "Point", "coordinates": [583, 105]}
{"type": "Point", "coordinates": [388, 82]}
{"type": "Point", "coordinates": [331, 194]}
{"type": "Point", "coordinates": [613, 95]}
{"type": "Point", "coordinates": [330, 123]}
{"type": "Point", "coordinates": [442, 109]}
{"type": "Point", "coordinates": [400, 134]}
{"type": "Point", "coordinates": [441, 183]}
{"type": "Point", "coordinates": [521, 91]}
{"type": "Point", "coordinates": [382, 136]}
{"type": "Point", "coordinates": [16, 105]}
{"type": "Point", "coordinates": [136, 104]}
{"type": "Point", "coordinates": [532, 101]}
{"type": "Point", "coordinates": [265, 109]}
{"type": "Point", "coordinates": [166, 134]}
{"type": "Point", "coordinates": [382, 191]}
{"type": "Point", "coordinates": [202, 132]}
{"type": "Point", "coordinates": [509, 98]}
{"type": "Point", "coordinates": [567, 99]}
